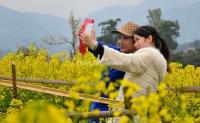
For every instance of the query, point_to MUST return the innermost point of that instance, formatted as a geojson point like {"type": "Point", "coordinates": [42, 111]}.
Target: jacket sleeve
{"type": "Point", "coordinates": [133, 63]}
{"type": "Point", "coordinates": [98, 52]}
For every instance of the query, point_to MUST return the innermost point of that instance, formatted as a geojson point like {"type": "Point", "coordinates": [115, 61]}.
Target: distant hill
{"type": "Point", "coordinates": [23, 28]}
{"type": "Point", "coordinates": [18, 28]}
{"type": "Point", "coordinates": [1, 53]}
{"type": "Point", "coordinates": [188, 46]}
{"type": "Point", "coordinates": [185, 11]}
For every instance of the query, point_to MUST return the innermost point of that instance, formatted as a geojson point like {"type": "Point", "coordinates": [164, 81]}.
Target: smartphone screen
{"type": "Point", "coordinates": [89, 27]}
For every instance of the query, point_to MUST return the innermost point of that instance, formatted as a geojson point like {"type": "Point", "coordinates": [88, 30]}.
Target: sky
{"type": "Point", "coordinates": [81, 8]}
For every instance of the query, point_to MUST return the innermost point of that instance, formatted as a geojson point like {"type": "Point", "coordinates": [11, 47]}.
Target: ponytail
{"type": "Point", "coordinates": [164, 50]}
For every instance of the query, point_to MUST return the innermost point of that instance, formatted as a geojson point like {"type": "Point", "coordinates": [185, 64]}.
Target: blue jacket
{"type": "Point", "coordinates": [113, 75]}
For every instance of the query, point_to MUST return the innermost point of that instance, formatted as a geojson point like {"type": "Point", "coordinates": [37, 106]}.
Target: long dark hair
{"type": "Point", "coordinates": [145, 31]}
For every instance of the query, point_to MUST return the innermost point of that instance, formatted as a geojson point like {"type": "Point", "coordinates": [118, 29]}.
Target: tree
{"type": "Point", "coordinates": [168, 29]}
{"type": "Point", "coordinates": [190, 56]}
{"type": "Point", "coordinates": [106, 28]}
{"type": "Point", "coordinates": [74, 24]}
{"type": "Point", "coordinates": [154, 17]}
{"type": "Point", "coordinates": [196, 43]}
{"type": "Point", "coordinates": [58, 39]}
{"type": "Point", "coordinates": [32, 50]}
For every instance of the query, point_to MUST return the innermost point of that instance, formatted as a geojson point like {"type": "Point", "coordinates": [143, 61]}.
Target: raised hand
{"type": "Point", "coordinates": [89, 39]}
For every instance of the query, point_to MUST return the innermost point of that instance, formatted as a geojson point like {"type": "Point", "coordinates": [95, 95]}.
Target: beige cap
{"type": "Point", "coordinates": [127, 29]}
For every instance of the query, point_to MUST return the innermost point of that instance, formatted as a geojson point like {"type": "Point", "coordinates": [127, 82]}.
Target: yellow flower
{"type": "Point", "coordinates": [111, 87]}
{"type": "Point", "coordinates": [70, 105]}
{"type": "Point", "coordinates": [96, 112]}
{"type": "Point", "coordinates": [129, 92]}
{"type": "Point", "coordinates": [117, 113]}
{"type": "Point", "coordinates": [124, 119]}
{"type": "Point", "coordinates": [113, 95]}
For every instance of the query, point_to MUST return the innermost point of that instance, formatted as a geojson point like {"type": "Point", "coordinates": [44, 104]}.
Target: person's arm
{"type": "Point", "coordinates": [97, 50]}
{"type": "Point", "coordinates": [134, 63]}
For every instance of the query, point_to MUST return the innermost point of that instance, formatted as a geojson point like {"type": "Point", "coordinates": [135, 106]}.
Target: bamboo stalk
{"type": "Point", "coordinates": [40, 81]}
{"type": "Point", "coordinates": [102, 114]}
{"type": "Point", "coordinates": [70, 83]}
{"type": "Point", "coordinates": [60, 92]}
{"type": "Point", "coordinates": [183, 89]}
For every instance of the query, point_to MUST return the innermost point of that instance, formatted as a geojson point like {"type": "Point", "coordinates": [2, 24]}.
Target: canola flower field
{"type": "Point", "coordinates": [33, 107]}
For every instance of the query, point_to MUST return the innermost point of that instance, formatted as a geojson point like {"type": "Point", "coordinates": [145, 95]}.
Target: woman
{"type": "Point", "coordinates": [146, 67]}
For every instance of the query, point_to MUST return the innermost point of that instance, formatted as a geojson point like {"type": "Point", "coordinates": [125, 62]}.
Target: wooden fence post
{"type": "Point", "coordinates": [14, 80]}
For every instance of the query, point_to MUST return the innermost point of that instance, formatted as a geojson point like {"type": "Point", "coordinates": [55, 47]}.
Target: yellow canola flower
{"type": "Point", "coordinates": [124, 119]}
{"type": "Point", "coordinates": [111, 87]}
{"type": "Point", "coordinates": [162, 91]}
{"type": "Point", "coordinates": [70, 105]}
{"type": "Point", "coordinates": [96, 112]}
{"type": "Point", "coordinates": [129, 92]}
{"type": "Point", "coordinates": [39, 112]}
{"type": "Point", "coordinates": [117, 113]}
{"type": "Point", "coordinates": [113, 95]}
{"type": "Point", "coordinates": [129, 84]}
{"type": "Point", "coordinates": [100, 86]}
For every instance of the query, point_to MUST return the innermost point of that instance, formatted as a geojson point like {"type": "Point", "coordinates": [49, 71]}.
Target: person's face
{"type": "Point", "coordinates": [141, 42]}
{"type": "Point", "coordinates": [126, 44]}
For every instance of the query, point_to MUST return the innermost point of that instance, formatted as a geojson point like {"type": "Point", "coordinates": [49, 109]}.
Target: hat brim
{"type": "Point", "coordinates": [121, 32]}
{"type": "Point", "coordinates": [116, 32]}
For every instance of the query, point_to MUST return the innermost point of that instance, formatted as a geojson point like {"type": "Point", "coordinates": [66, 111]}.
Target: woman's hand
{"type": "Point", "coordinates": [89, 39]}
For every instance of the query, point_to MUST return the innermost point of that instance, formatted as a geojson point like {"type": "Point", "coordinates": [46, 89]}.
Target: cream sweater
{"type": "Point", "coordinates": [146, 67]}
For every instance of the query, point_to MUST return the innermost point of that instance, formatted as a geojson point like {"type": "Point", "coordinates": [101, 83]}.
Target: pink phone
{"type": "Point", "coordinates": [89, 27]}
